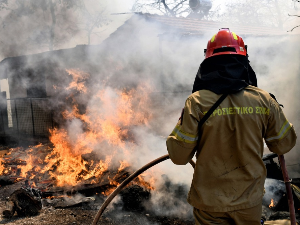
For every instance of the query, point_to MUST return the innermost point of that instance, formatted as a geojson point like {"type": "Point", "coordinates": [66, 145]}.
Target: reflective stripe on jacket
{"type": "Point", "coordinates": [229, 173]}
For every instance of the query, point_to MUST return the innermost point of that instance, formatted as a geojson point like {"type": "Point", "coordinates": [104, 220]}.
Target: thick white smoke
{"type": "Point", "coordinates": [275, 61]}
{"type": "Point", "coordinates": [25, 25]}
{"type": "Point", "coordinates": [170, 69]}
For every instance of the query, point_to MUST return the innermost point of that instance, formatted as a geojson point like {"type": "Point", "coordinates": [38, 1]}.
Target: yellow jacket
{"type": "Point", "coordinates": [229, 173]}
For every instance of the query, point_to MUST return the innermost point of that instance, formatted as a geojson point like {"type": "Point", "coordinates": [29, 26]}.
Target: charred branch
{"type": "Point", "coordinates": [104, 184]}
{"type": "Point", "coordinates": [6, 180]}
{"type": "Point", "coordinates": [24, 202]}
{"type": "Point", "coordinates": [179, 4]}
{"type": "Point", "coordinates": [294, 15]}
{"type": "Point", "coordinates": [293, 28]}
{"type": "Point", "coordinates": [63, 202]}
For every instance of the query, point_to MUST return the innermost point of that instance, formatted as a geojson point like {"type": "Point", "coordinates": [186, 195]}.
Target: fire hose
{"type": "Point", "coordinates": [127, 181]}
{"type": "Point", "coordinates": [165, 157]}
{"type": "Point", "coordinates": [288, 189]}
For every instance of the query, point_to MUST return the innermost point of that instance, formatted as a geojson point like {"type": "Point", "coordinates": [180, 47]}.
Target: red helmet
{"type": "Point", "coordinates": [225, 42]}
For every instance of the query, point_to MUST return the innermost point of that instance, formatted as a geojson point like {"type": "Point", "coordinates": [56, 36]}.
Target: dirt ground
{"type": "Point", "coordinates": [76, 216]}
{"type": "Point", "coordinates": [83, 214]}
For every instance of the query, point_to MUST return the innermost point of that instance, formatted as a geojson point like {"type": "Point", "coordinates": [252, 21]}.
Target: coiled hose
{"type": "Point", "coordinates": [127, 181]}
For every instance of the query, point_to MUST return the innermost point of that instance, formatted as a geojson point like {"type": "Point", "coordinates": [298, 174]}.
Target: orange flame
{"type": "Point", "coordinates": [2, 167]}
{"type": "Point", "coordinates": [78, 82]}
{"type": "Point", "coordinates": [123, 165]}
{"type": "Point", "coordinates": [106, 124]}
{"type": "Point", "coordinates": [272, 204]}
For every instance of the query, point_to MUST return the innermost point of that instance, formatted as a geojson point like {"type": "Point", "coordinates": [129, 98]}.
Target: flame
{"type": "Point", "coordinates": [103, 127]}
{"type": "Point", "coordinates": [2, 167]}
{"type": "Point", "coordinates": [272, 204]}
{"type": "Point", "coordinates": [148, 185]}
{"type": "Point", "coordinates": [148, 175]}
{"type": "Point", "coordinates": [79, 79]}
{"type": "Point", "coordinates": [58, 196]}
{"type": "Point", "coordinates": [123, 164]}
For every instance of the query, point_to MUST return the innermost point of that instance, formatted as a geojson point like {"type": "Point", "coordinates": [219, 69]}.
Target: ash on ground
{"type": "Point", "coordinates": [131, 209]}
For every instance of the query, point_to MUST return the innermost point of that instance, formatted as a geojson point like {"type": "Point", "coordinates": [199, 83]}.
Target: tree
{"type": "Point", "coordinates": [92, 18]}
{"type": "Point", "coordinates": [295, 6]}
{"type": "Point", "coordinates": [31, 26]}
{"type": "Point", "coordinates": [194, 8]}
{"type": "Point", "coordinates": [257, 12]}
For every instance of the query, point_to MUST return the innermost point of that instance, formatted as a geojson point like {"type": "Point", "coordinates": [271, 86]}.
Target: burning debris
{"type": "Point", "coordinates": [133, 198]}
{"type": "Point", "coordinates": [67, 201]}
{"type": "Point", "coordinates": [43, 181]}
{"type": "Point", "coordinates": [272, 204]}
{"type": "Point", "coordinates": [75, 165]}
{"type": "Point", "coordinates": [131, 206]}
{"type": "Point", "coordinates": [26, 202]}
{"type": "Point", "coordinates": [275, 201]}
{"type": "Point", "coordinates": [77, 154]}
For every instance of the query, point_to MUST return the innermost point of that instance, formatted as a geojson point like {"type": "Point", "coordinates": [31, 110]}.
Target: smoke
{"type": "Point", "coordinates": [276, 62]}
{"type": "Point", "coordinates": [169, 199]}
{"type": "Point", "coordinates": [26, 25]}
{"type": "Point", "coordinates": [146, 57]}
{"type": "Point", "coordinates": [67, 201]}
{"type": "Point", "coordinates": [169, 70]}
{"type": "Point", "coordinates": [274, 189]}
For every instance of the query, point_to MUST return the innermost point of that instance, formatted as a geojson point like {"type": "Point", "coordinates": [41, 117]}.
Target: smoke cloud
{"type": "Point", "coordinates": [275, 61]}
{"type": "Point", "coordinates": [26, 25]}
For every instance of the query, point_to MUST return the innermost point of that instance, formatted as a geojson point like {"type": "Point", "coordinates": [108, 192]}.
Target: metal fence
{"type": "Point", "coordinates": [26, 116]}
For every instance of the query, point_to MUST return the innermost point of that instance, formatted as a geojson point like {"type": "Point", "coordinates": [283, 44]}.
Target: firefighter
{"type": "Point", "coordinates": [228, 180]}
